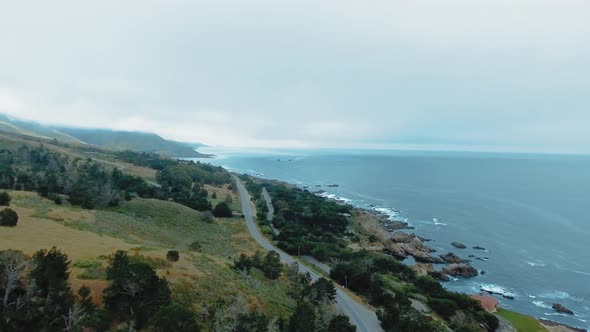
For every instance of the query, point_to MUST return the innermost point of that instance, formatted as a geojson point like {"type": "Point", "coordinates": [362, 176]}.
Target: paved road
{"type": "Point", "coordinates": [364, 319]}
{"type": "Point", "coordinates": [271, 210]}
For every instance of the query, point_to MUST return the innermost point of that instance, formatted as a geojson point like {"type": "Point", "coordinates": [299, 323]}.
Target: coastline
{"type": "Point", "coordinates": [383, 224]}
{"type": "Point", "coordinates": [535, 301]}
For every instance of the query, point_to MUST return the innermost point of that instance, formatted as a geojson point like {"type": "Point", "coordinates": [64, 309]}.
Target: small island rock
{"type": "Point", "coordinates": [461, 270]}
{"type": "Point", "coordinates": [561, 309]}
{"type": "Point", "coordinates": [458, 245]}
{"type": "Point", "coordinates": [452, 258]}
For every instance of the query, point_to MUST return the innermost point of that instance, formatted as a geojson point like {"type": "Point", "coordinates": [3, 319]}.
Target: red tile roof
{"type": "Point", "coordinates": [489, 303]}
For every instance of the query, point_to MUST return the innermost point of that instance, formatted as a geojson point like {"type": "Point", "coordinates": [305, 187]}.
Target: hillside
{"type": "Point", "coordinates": [148, 229]}
{"type": "Point", "coordinates": [134, 141]}
{"type": "Point", "coordinates": [102, 138]}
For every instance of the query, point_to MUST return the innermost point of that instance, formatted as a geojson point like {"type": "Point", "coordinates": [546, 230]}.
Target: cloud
{"type": "Point", "coordinates": [513, 75]}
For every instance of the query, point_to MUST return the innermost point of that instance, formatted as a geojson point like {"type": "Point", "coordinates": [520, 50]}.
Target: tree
{"type": "Point", "coordinates": [222, 210]}
{"type": "Point", "coordinates": [303, 319]}
{"type": "Point", "coordinates": [271, 265]}
{"type": "Point", "coordinates": [50, 277]}
{"type": "Point", "coordinates": [136, 292]}
{"type": "Point", "coordinates": [251, 322]}
{"type": "Point", "coordinates": [228, 199]}
{"type": "Point", "coordinates": [8, 217]}
{"type": "Point", "coordinates": [243, 263]}
{"type": "Point", "coordinates": [172, 255]}
{"type": "Point", "coordinates": [214, 195]}
{"type": "Point", "coordinates": [174, 317]}
{"type": "Point", "coordinates": [341, 323]}
{"type": "Point", "coordinates": [323, 290]}
{"type": "Point", "coordinates": [5, 199]}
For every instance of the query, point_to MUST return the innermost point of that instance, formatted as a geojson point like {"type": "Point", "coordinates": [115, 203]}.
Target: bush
{"type": "Point", "coordinates": [214, 195]}
{"type": "Point", "coordinates": [222, 210]}
{"type": "Point", "coordinates": [445, 308]}
{"type": "Point", "coordinates": [195, 246]}
{"type": "Point", "coordinates": [5, 199]}
{"type": "Point", "coordinates": [174, 317]}
{"type": "Point", "coordinates": [8, 217]}
{"type": "Point", "coordinates": [172, 256]}
{"type": "Point", "coordinates": [207, 216]}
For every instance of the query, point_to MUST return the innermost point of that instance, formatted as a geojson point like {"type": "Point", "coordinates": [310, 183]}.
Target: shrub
{"type": "Point", "coordinates": [174, 317]}
{"type": "Point", "coordinates": [222, 210]}
{"type": "Point", "coordinates": [214, 195]}
{"type": "Point", "coordinates": [445, 308]}
{"type": "Point", "coordinates": [195, 246]}
{"type": "Point", "coordinates": [8, 217]}
{"type": "Point", "coordinates": [207, 216]}
{"type": "Point", "coordinates": [172, 256]}
{"type": "Point", "coordinates": [5, 199]}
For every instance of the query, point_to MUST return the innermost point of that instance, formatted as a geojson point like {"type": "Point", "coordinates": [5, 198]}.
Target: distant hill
{"type": "Point", "coordinates": [103, 138]}
{"type": "Point", "coordinates": [135, 141]}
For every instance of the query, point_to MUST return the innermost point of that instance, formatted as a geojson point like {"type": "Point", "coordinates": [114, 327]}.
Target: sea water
{"type": "Point", "coordinates": [530, 212]}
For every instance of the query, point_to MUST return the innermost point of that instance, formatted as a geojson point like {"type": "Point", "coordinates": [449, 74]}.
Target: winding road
{"type": "Point", "coordinates": [364, 319]}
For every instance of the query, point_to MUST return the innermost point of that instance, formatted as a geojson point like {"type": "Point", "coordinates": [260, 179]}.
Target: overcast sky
{"type": "Point", "coordinates": [501, 75]}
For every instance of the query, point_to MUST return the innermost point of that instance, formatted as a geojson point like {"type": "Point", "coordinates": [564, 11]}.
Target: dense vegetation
{"type": "Point", "coordinates": [308, 224]}
{"type": "Point", "coordinates": [314, 225]}
{"type": "Point", "coordinates": [36, 296]}
{"type": "Point", "coordinates": [89, 184]}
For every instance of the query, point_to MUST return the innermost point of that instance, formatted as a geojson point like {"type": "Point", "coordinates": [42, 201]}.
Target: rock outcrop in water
{"type": "Point", "coordinates": [453, 259]}
{"type": "Point", "coordinates": [458, 245]}
{"type": "Point", "coordinates": [403, 244]}
{"type": "Point", "coordinates": [461, 270]}
{"type": "Point", "coordinates": [561, 309]}
{"type": "Point", "coordinates": [479, 248]}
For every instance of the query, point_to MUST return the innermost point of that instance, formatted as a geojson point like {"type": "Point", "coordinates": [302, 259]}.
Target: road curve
{"type": "Point", "coordinates": [364, 319]}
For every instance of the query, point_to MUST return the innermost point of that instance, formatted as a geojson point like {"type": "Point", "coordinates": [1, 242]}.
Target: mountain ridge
{"type": "Point", "coordinates": [101, 137]}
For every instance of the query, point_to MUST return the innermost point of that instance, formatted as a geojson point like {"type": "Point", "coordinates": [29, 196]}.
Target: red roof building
{"type": "Point", "coordinates": [489, 303]}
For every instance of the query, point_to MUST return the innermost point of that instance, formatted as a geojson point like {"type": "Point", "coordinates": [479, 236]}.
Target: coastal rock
{"type": "Point", "coordinates": [411, 245]}
{"type": "Point", "coordinates": [561, 309]}
{"type": "Point", "coordinates": [458, 245]}
{"type": "Point", "coordinates": [452, 258]}
{"type": "Point", "coordinates": [424, 257]}
{"type": "Point", "coordinates": [396, 250]}
{"type": "Point", "coordinates": [402, 237]}
{"type": "Point", "coordinates": [332, 185]}
{"type": "Point", "coordinates": [395, 225]}
{"type": "Point", "coordinates": [479, 248]}
{"type": "Point", "coordinates": [461, 270]}
{"type": "Point", "coordinates": [439, 275]}
{"type": "Point", "coordinates": [423, 269]}
{"type": "Point", "coordinates": [423, 239]}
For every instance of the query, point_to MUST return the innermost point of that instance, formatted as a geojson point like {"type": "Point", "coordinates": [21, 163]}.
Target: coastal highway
{"type": "Point", "coordinates": [365, 319]}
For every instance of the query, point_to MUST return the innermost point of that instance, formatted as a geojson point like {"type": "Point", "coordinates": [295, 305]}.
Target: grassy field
{"type": "Point", "coordinates": [522, 323]}
{"type": "Point", "coordinates": [147, 229]}
{"type": "Point", "coordinates": [221, 193]}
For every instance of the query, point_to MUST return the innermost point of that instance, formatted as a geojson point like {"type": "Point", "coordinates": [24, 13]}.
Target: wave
{"type": "Point", "coordinates": [559, 295]}
{"type": "Point", "coordinates": [334, 197]}
{"type": "Point", "coordinates": [535, 264]}
{"type": "Point", "coordinates": [392, 214]}
{"type": "Point", "coordinates": [541, 304]}
{"type": "Point", "coordinates": [438, 223]}
{"type": "Point", "coordinates": [565, 315]}
{"type": "Point", "coordinates": [492, 288]}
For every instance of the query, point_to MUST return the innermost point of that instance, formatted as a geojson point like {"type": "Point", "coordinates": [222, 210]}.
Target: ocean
{"type": "Point", "coordinates": [530, 212]}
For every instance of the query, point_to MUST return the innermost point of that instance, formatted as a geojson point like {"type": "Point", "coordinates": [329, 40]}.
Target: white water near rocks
{"type": "Point", "coordinates": [529, 212]}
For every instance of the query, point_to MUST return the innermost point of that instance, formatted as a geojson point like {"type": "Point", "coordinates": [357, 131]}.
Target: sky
{"type": "Point", "coordinates": [461, 74]}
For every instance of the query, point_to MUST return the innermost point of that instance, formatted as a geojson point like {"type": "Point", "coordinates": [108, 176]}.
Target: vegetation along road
{"type": "Point", "coordinates": [364, 319]}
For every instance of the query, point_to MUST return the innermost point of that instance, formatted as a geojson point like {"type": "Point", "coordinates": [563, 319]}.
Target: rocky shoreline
{"type": "Point", "coordinates": [401, 244]}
